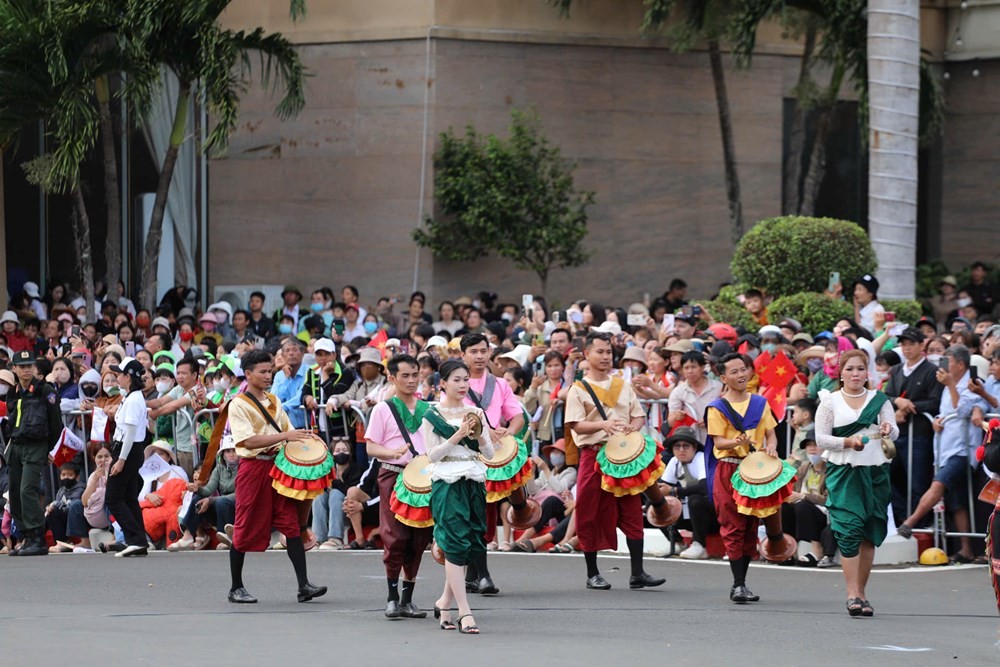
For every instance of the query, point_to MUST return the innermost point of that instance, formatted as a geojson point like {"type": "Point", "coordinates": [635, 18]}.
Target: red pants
{"type": "Point", "coordinates": [738, 531]}
{"type": "Point", "coordinates": [492, 518]}
{"type": "Point", "coordinates": [404, 545]}
{"type": "Point", "coordinates": [259, 508]}
{"type": "Point", "coordinates": [598, 512]}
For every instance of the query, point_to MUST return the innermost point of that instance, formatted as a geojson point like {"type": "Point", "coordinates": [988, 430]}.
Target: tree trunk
{"type": "Point", "coordinates": [113, 243]}
{"type": "Point", "coordinates": [81, 232]}
{"type": "Point", "coordinates": [797, 134]}
{"type": "Point", "coordinates": [728, 151]}
{"type": "Point", "coordinates": [817, 159]}
{"type": "Point", "coordinates": [152, 250]}
{"type": "Point", "coordinates": [893, 111]}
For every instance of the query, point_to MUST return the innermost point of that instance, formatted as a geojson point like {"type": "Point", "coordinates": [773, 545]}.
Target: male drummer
{"type": "Point", "coordinates": [598, 512]}
{"type": "Point", "coordinates": [501, 406]}
{"type": "Point", "coordinates": [392, 427]}
{"type": "Point", "coordinates": [731, 446]}
{"type": "Point", "coordinates": [260, 428]}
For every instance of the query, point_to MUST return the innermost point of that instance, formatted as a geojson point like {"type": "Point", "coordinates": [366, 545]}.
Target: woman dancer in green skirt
{"type": "Point", "coordinates": [458, 493]}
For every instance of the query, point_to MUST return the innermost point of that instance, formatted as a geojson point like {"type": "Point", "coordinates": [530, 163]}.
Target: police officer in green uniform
{"type": "Point", "coordinates": [35, 424]}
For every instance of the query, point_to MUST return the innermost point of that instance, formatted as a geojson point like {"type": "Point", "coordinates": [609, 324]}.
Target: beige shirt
{"type": "Point", "coordinates": [580, 407]}
{"type": "Point", "coordinates": [246, 421]}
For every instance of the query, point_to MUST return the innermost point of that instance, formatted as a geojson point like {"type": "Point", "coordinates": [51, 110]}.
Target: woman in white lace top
{"type": "Point", "coordinates": [850, 423]}
{"type": "Point", "coordinates": [458, 490]}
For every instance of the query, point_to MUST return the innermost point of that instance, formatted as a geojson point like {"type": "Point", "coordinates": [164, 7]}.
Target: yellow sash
{"type": "Point", "coordinates": [609, 396]}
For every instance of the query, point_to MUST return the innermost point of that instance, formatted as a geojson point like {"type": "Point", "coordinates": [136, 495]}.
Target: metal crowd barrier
{"type": "Point", "coordinates": [356, 413]}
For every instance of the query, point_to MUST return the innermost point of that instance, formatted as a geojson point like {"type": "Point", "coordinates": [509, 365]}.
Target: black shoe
{"type": "Point", "coordinates": [391, 609]}
{"type": "Point", "coordinates": [241, 596]}
{"type": "Point", "coordinates": [738, 594]}
{"type": "Point", "coordinates": [35, 546]}
{"type": "Point", "coordinates": [645, 581]}
{"type": "Point", "coordinates": [750, 595]}
{"type": "Point", "coordinates": [598, 583]}
{"type": "Point", "coordinates": [308, 592]}
{"type": "Point", "coordinates": [471, 586]}
{"type": "Point", "coordinates": [410, 610]}
{"type": "Point", "coordinates": [486, 587]}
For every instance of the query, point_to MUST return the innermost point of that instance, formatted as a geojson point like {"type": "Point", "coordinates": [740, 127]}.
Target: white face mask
{"type": "Point", "coordinates": [934, 359]}
{"type": "Point", "coordinates": [815, 458]}
{"type": "Point", "coordinates": [163, 386]}
{"type": "Point", "coordinates": [221, 386]}
{"type": "Point", "coordinates": [3, 389]}
{"type": "Point", "coordinates": [962, 303]}
{"type": "Point", "coordinates": [111, 390]}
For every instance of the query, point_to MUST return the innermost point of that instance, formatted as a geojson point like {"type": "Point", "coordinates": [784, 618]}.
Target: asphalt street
{"type": "Point", "coordinates": [171, 609]}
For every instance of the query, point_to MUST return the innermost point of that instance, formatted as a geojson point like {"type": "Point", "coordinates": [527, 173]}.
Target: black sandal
{"type": "Point", "coordinates": [355, 545]}
{"type": "Point", "coordinates": [445, 625]}
{"type": "Point", "coordinates": [467, 630]}
{"type": "Point", "coordinates": [854, 606]}
{"type": "Point", "coordinates": [866, 609]}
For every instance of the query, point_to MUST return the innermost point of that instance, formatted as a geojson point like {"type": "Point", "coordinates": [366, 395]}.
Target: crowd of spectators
{"type": "Point", "coordinates": [329, 372]}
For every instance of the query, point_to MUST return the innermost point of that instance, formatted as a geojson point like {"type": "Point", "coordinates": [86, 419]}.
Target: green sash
{"type": "Point", "coordinates": [522, 435]}
{"type": "Point", "coordinates": [411, 420]}
{"type": "Point", "coordinates": [446, 430]}
{"type": "Point", "coordinates": [867, 417]}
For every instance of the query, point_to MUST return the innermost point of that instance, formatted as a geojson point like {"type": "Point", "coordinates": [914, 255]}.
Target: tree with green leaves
{"type": "Point", "coordinates": [213, 65]}
{"type": "Point", "coordinates": [511, 196]}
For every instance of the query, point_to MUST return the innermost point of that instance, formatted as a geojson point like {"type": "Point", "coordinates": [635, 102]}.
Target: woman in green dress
{"type": "Point", "coordinates": [458, 491]}
{"type": "Point", "coordinates": [850, 423]}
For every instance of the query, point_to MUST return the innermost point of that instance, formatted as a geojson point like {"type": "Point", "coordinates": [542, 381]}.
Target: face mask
{"type": "Point", "coordinates": [506, 317]}
{"type": "Point", "coordinates": [187, 336]}
{"type": "Point", "coordinates": [934, 359]}
{"type": "Point", "coordinates": [371, 327]}
{"type": "Point", "coordinates": [341, 459]}
{"type": "Point", "coordinates": [285, 328]}
{"type": "Point", "coordinates": [557, 459]}
{"type": "Point", "coordinates": [208, 326]}
{"type": "Point", "coordinates": [89, 390]}
{"type": "Point", "coordinates": [68, 483]}
{"type": "Point", "coordinates": [3, 389]}
{"type": "Point", "coordinates": [770, 348]}
{"type": "Point", "coordinates": [221, 386]}
{"type": "Point", "coordinates": [232, 465]}
{"type": "Point", "coordinates": [62, 376]}
{"type": "Point", "coordinates": [316, 307]}
{"type": "Point", "coordinates": [163, 387]}
{"type": "Point", "coordinates": [814, 365]}
{"type": "Point", "coordinates": [962, 303]}
{"type": "Point", "coordinates": [815, 458]}
{"type": "Point", "coordinates": [112, 390]}
{"type": "Point", "coordinates": [880, 376]}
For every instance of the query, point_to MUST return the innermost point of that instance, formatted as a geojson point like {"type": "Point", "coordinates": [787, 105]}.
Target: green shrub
{"type": "Point", "coordinates": [906, 311]}
{"type": "Point", "coordinates": [815, 311]}
{"type": "Point", "coordinates": [929, 277]}
{"type": "Point", "coordinates": [788, 255]}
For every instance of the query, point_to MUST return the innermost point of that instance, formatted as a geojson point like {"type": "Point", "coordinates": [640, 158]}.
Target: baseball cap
{"type": "Point", "coordinates": [723, 331]}
{"type": "Point", "coordinates": [912, 334]}
{"type": "Point", "coordinates": [325, 345]}
{"type": "Point", "coordinates": [129, 366]}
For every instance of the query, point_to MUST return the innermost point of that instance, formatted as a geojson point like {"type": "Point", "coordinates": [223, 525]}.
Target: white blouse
{"type": "Point", "coordinates": [462, 462]}
{"type": "Point", "coordinates": [834, 411]}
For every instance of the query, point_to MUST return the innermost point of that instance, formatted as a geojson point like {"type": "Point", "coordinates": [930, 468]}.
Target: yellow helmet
{"type": "Point", "coordinates": [933, 556]}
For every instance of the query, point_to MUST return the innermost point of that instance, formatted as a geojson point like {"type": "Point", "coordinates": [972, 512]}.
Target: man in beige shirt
{"type": "Point", "coordinates": [598, 512]}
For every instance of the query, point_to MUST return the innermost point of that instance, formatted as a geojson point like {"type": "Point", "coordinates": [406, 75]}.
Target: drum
{"type": "Point", "coordinates": [508, 470]}
{"type": "Point", "coordinates": [303, 469]}
{"type": "Point", "coordinates": [761, 484]}
{"type": "Point", "coordinates": [411, 496]}
{"type": "Point", "coordinates": [629, 463]}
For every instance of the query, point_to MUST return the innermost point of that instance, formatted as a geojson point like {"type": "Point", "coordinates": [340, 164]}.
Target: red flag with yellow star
{"type": "Point", "coordinates": [778, 373]}
{"type": "Point", "coordinates": [379, 341]}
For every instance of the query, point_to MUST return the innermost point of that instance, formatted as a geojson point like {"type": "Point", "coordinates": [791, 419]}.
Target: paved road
{"type": "Point", "coordinates": [170, 609]}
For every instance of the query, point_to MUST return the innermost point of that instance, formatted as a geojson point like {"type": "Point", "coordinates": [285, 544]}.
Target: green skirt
{"type": "Point", "coordinates": [459, 512]}
{"type": "Point", "coordinates": [858, 503]}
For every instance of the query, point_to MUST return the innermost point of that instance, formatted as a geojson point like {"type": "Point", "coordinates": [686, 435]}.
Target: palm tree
{"type": "Point", "coordinates": [894, 104]}
{"type": "Point", "coordinates": [213, 65]}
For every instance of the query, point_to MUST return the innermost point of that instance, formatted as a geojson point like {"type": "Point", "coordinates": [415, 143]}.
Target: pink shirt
{"type": "Point", "coordinates": [382, 430]}
{"type": "Point", "coordinates": [503, 407]}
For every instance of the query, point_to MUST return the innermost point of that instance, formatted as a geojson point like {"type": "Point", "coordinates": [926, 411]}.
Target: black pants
{"type": "Point", "coordinates": [702, 522]}
{"type": "Point", "coordinates": [806, 522]}
{"type": "Point", "coordinates": [552, 508]}
{"type": "Point", "coordinates": [56, 521]}
{"type": "Point", "coordinates": [122, 496]}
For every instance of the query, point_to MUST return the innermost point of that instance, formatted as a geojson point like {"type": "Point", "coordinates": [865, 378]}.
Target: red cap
{"type": "Point", "coordinates": [723, 331]}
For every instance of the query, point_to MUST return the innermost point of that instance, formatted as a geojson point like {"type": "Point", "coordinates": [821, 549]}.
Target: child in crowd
{"type": "Point", "coordinates": [802, 420]}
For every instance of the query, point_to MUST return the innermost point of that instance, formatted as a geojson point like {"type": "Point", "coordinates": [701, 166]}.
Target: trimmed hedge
{"type": "Point", "coordinates": [788, 255]}
{"type": "Point", "coordinates": [815, 311]}
{"type": "Point", "coordinates": [727, 308]}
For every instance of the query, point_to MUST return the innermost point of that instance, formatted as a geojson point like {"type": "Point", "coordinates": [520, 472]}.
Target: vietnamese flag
{"type": "Point", "coordinates": [780, 372]}
{"type": "Point", "coordinates": [379, 341]}
{"type": "Point", "coordinates": [777, 400]}
{"type": "Point", "coordinates": [761, 365]}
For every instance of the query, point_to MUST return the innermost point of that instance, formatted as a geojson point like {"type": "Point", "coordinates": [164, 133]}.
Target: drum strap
{"type": "Point", "coordinates": [402, 429]}
{"type": "Point", "coordinates": [597, 401]}
{"type": "Point", "coordinates": [483, 401]}
{"type": "Point", "coordinates": [263, 411]}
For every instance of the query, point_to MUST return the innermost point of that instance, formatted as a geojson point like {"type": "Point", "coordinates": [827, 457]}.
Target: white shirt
{"type": "Point", "coordinates": [133, 413]}
{"type": "Point", "coordinates": [834, 411]}
{"type": "Point", "coordinates": [696, 469]}
{"type": "Point", "coordinates": [357, 331]}
{"type": "Point", "coordinates": [908, 370]}
{"type": "Point", "coordinates": [866, 315]}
